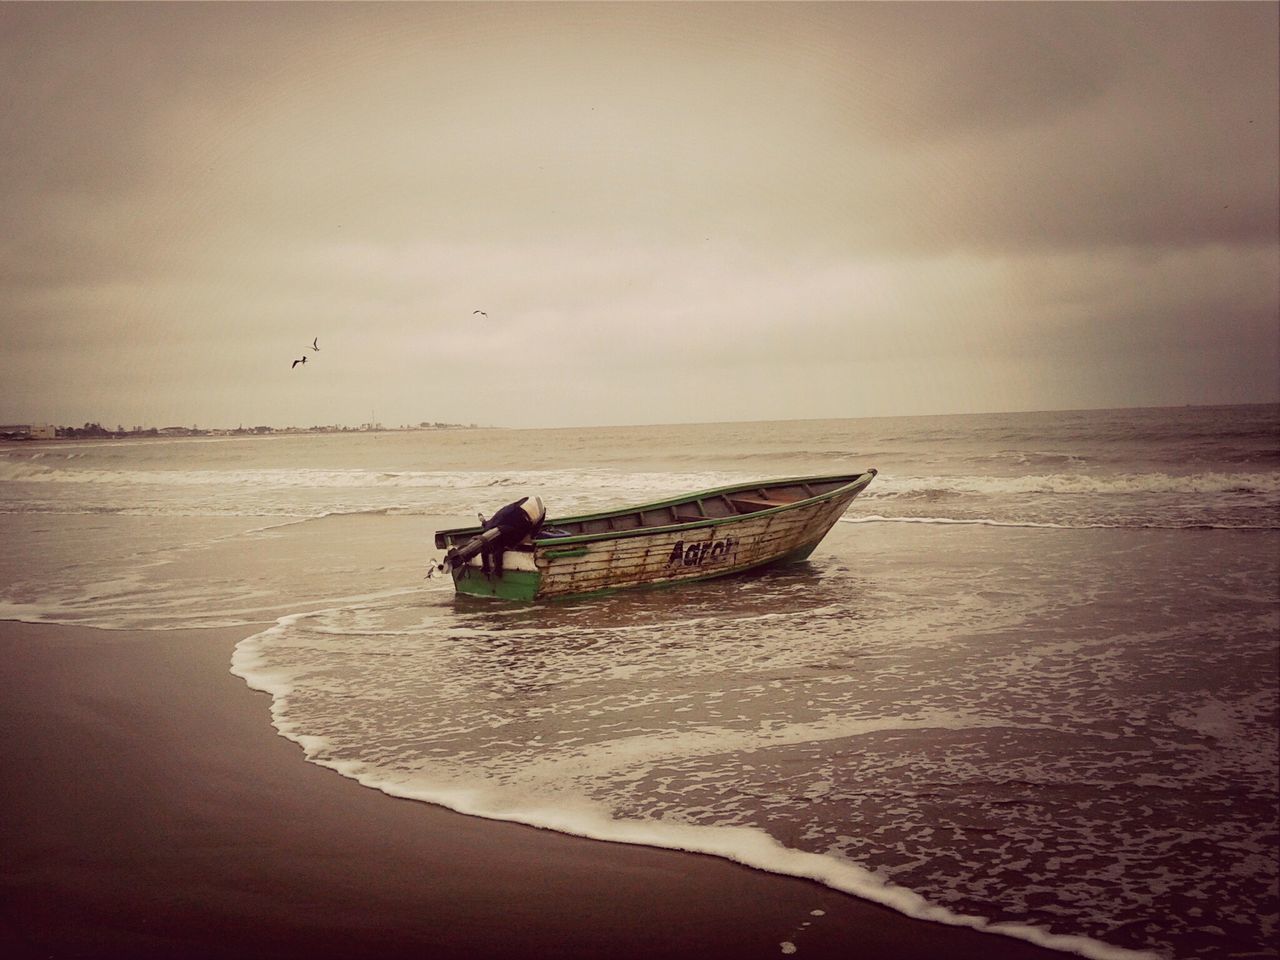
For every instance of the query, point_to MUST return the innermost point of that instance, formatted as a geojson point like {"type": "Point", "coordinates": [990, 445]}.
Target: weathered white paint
{"type": "Point", "coordinates": [511, 560]}
{"type": "Point", "coordinates": [648, 559]}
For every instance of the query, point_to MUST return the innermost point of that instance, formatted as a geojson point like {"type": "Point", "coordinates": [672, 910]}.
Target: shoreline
{"type": "Point", "coordinates": [153, 810]}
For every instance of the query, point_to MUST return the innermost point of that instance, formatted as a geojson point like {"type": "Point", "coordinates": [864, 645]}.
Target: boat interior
{"type": "Point", "coordinates": [713, 506]}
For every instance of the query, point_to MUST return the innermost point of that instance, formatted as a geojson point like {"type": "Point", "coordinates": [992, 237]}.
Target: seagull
{"type": "Point", "coordinates": [481, 312]}
{"type": "Point", "coordinates": [296, 362]}
{"type": "Point", "coordinates": [315, 344]}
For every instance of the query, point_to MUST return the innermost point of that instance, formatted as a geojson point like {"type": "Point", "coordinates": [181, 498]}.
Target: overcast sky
{"type": "Point", "coordinates": [669, 212]}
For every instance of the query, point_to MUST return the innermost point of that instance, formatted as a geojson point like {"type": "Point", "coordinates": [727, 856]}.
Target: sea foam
{"type": "Point", "coordinates": [579, 816]}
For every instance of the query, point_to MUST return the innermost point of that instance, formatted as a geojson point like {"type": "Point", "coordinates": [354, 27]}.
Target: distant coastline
{"type": "Point", "coordinates": [95, 431]}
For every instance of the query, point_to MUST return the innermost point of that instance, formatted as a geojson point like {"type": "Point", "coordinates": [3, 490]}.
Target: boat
{"type": "Point", "coordinates": [712, 533]}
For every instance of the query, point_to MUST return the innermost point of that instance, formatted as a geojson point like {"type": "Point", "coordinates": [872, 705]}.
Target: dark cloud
{"type": "Point", "coordinates": [986, 68]}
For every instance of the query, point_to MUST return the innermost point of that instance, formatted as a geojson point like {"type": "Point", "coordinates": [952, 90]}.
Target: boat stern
{"type": "Point", "coordinates": [520, 578]}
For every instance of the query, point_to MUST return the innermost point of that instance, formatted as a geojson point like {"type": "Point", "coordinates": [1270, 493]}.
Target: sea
{"type": "Point", "coordinates": [1027, 683]}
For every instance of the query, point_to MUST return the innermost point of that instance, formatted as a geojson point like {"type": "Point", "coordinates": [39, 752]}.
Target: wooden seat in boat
{"type": "Point", "coordinates": [748, 503]}
{"type": "Point", "coordinates": [753, 504]}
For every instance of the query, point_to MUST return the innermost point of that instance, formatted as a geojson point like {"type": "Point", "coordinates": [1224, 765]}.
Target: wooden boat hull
{"type": "Point", "coordinates": [651, 553]}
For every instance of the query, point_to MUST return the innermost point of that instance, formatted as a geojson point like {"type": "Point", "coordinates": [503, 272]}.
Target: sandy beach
{"type": "Point", "coordinates": [151, 810]}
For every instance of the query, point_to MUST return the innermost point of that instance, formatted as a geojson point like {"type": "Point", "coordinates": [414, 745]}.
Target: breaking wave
{"type": "Point", "coordinates": [1074, 483]}
{"type": "Point", "coordinates": [548, 789]}
{"type": "Point", "coordinates": [887, 483]}
{"type": "Point", "coordinates": [1126, 525]}
{"type": "Point", "coordinates": [660, 482]}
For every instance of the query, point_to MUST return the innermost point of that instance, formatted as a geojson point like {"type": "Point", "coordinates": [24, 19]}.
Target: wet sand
{"type": "Point", "coordinates": [151, 810]}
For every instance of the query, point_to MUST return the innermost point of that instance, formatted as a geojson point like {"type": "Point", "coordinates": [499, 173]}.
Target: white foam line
{"type": "Point", "coordinates": [312, 517]}
{"type": "Point", "coordinates": [1197, 484]}
{"type": "Point", "coordinates": [1031, 524]}
{"type": "Point", "coordinates": [647, 750]}
{"type": "Point", "coordinates": [596, 481]}
{"type": "Point", "coordinates": [292, 521]}
{"type": "Point", "coordinates": [333, 605]}
{"type": "Point", "coordinates": [979, 521]}
{"type": "Point", "coordinates": [749, 846]}
{"type": "Point", "coordinates": [64, 615]}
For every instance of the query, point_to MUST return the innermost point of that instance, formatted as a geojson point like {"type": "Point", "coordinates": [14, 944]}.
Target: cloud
{"type": "Point", "coordinates": [781, 209]}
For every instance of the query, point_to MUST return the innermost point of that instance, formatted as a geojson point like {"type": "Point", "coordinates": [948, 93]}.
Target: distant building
{"type": "Point", "coordinates": [27, 431]}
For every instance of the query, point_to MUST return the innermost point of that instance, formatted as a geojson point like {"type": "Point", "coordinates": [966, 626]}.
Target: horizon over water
{"type": "Point", "coordinates": [413, 427]}
{"type": "Point", "coordinates": [1133, 408]}
{"type": "Point", "coordinates": [1028, 683]}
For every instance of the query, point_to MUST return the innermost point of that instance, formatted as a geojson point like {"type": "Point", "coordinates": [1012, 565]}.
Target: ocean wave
{"type": "Point", "coordinates": [890, 486]}
{"type": "Point", "coordinates": [1079, 525]}
{"type": "Point", "coordinates": [315, 478]}
{"type": "Point", "coordinates": [166, 613]}
{"type": "Point", "coordinates": [887, 484]}
{"type": "Point", "coordinates": [747, 845]}
{"type": "Point", "coordinates": [966, 521]}
{"type": "Point", "coordinates": [826, 456]}
{"type": "Point", "coordinates": [927, 494]}
{"type": "Point", "coordinates": [1030, 458]}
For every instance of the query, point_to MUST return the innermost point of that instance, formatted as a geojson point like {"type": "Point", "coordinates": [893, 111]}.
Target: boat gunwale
{"type": "Point", "coordinates": [854, 486]}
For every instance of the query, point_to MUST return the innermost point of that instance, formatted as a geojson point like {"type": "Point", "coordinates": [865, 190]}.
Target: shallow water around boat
{"type": "Point", "coordinates": [1029, 677]}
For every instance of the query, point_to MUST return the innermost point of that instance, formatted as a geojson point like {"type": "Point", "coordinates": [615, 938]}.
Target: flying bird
{"type": "Point", "coordinates": [481, 312]}
{"type": "Point", "coordinates": [315, 344]}
{"type": "Point", "coordinates": [302, 360]}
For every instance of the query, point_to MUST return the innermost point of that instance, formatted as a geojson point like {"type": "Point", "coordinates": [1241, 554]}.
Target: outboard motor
{"type": "Point", "coordinates": [512, 524]}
